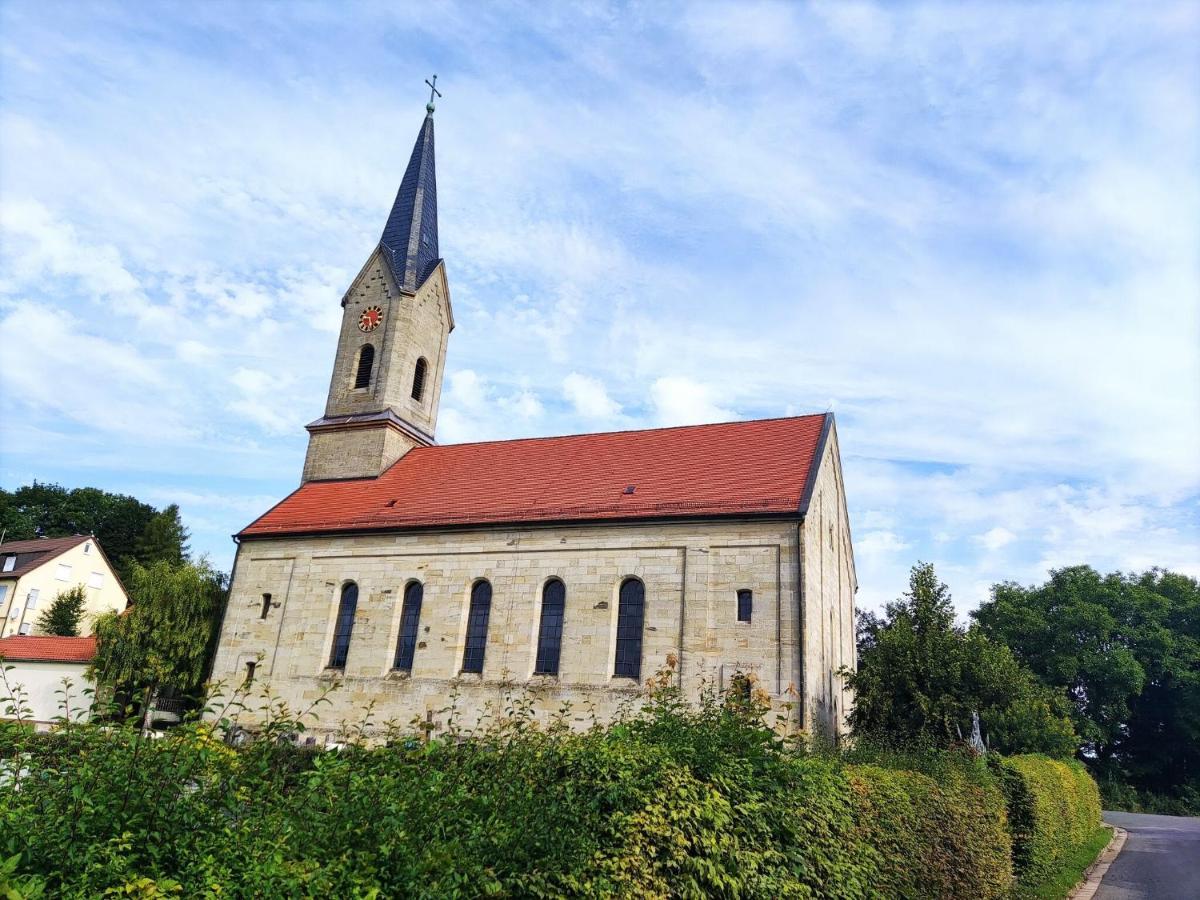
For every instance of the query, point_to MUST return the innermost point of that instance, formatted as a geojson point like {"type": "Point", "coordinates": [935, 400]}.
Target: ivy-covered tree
{"type": "Point", "coordinates": [920, 676]}
{"type": "Point", "coordinates": [163, 640]}
{"type": "Point", "coordinates": [65, 612]}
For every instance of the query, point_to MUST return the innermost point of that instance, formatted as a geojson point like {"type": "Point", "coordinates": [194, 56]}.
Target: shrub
{"type": "Point", "coordinates": [945, 838]}
{"type": "Point", "coordinates": [1053, 809]}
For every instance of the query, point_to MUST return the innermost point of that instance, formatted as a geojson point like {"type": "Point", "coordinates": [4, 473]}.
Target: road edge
{"type": "Point", "coordinates": [1094, 874]}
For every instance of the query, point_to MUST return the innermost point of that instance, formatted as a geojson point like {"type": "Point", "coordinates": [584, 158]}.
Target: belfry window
{"type": "Point", "coordinates": [549, 647]}
{"type": "Point", "coordinates": [410, 618]}
{"type": "Point", "coordinates": [745, 605]}
{"type": "Point", "coordinates": [344, 626]}
{"type": "Point", "coordinates": [631, 614]}
{"type": "Point", "coordinates": [366, 362]}
{"type": "Point", "coordinates": [477, 626]}
{"type": "Point", "coordinates": [418, 388]}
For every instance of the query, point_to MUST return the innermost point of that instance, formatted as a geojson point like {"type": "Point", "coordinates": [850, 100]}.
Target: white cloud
{"type": "Point", "coordinates": [589, 397]}
{"type": "Point", "coordinates": [996, 538]}
{"type": "Point", "coordinates": [681, 401]}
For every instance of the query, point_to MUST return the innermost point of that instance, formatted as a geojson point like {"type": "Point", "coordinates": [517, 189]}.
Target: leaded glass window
{"type": "Point", "coordinates": [410, 618]}
{"type": "Point", "coordinates": [477, 626]}
{"type": "Point", "coordinates": [344, 626]}
{"type": "Point", "coordinates": [549, 647]}
{"type": "Point", "coordinates": [631, 614]}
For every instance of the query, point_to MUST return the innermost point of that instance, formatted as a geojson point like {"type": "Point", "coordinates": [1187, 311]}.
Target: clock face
{"type": "Point", "coordinates": [370, 319]}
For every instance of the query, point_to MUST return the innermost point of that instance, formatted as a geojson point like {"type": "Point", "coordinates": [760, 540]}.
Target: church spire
{"type": "Point", "coordinates": [410, 237]}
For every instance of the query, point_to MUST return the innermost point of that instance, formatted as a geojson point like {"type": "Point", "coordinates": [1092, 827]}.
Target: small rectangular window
{"type": "Point", "coordinates": [25, 628]}
{"type": "Point", "coordinates": [63, 572]}
{"type": "Point", "coordinates": [3, 592]}
{"type": "Point", "coordinates": [745, 605]}
{"type": "Point", "coordinates": [32, 599]}
{"type": "Point", "coordinates": [10, 562]}
{"type": "Point", "coordinates": [96, 580]}
{"type": "Point", "coordinates": [87, 548]}
{"type": "Point", "coordinates": [266, 606]}
{"type": "Point", "coordinates": [250, 667]}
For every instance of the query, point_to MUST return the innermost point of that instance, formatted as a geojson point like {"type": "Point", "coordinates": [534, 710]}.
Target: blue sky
{"type": "Point", "coordinates": [971, 230]}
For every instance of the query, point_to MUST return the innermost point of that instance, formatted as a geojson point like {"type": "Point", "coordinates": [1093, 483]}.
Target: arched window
{"type": "Point", "coordinates": [631, 614]}
{"type": "Point", "coordinates": [477, 625]}
{"type": "Point", "coordinates": [366, 361]}
{"type": "Point", "coordinates": [554, 600]}
{"type": "Point", "coordinates": [410, 618]}
{"type": "Point", "coordinates": [419, 379]}
{"type": "Point", "coordinates": [344, 626]}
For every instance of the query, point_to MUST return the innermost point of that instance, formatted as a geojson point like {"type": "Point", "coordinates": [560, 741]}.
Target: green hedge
{"type": "Point", "coordinates": [943, 838]}
{"type": "Point", "coordinates": [1053, 809]}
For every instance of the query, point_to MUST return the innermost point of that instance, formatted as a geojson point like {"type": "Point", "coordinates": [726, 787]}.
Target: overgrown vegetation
{"type": "Point", "coordinates": [670, 800]}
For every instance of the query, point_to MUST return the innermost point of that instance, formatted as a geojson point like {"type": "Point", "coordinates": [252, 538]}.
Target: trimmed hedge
{"type": "Point", "coordinates": [1053, 809]}
{"type": "Point", "coordinates": [934, 839]}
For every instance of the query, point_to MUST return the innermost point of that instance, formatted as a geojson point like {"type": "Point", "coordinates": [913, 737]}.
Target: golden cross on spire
{"type": "Point", "coordinates": [432, 90]}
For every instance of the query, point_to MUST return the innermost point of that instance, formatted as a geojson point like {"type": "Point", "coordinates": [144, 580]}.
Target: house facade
{"type": "Point", "coordinates": [425, 580]}
{"type": "Point", "coordinates": [33, 572]}
{"type": "Point", "coordinates": [45, 679]}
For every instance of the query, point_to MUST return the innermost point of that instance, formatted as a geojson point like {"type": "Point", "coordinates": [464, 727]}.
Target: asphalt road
{"type": "Point", "coordinates": [1160, 861]}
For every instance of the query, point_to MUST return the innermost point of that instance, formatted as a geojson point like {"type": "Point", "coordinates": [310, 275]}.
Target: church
{"type": "Point", "coordinates": [404, 575]}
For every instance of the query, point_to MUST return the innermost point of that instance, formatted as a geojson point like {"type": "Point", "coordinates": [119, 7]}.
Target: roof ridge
{"type": "Point", "coordinates": [582, 434]}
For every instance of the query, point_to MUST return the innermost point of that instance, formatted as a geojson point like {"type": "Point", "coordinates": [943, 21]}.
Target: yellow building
{"type": "Point", "coordinates": [32, 573]}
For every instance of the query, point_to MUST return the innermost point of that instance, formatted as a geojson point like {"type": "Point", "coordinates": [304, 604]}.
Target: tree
{"type": "Point", "coordinates": [164, 540]}
{"type": "Point", "coordinates": [920, 676]}
{"type": "Point", "coordinates": [163, 640]}
{"type": "Point", "coordinates": [63, 615]}
{"type": "Point", "coordinates": [1125, 652]}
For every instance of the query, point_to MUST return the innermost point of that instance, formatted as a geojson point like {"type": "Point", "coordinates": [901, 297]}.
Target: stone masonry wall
{"type": "Point", "coordinates": [691, 574]}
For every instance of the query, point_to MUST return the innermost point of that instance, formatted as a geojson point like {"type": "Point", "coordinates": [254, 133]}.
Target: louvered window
{"type": "Point", "coordinates": [366, 362]}
{"type": "Point", "coordinates": [745, 605]}
{"type": "Point", "coordinates": [477, 626]}
{"type": "Point", "coordinates": [554, 600]}
{"type": "Point", "coordinates": [418, 388]}
{"type": "Point", "coordinates": [410, 619]}
{"type": "Point", "coordinates": [344, 626]}
{"type": "Point", "coordinates": [631, 614]}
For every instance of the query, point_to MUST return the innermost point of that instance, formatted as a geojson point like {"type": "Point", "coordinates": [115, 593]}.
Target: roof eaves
{"type": "Point", "coordinates": [815, 466]}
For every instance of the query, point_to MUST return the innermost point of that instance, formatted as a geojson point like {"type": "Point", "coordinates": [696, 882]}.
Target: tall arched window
{"type": "Point", "coordinates": [418, 388]}
{"type": "Point", "coordinates": [366, 362]}
{"type": "Point", "coordinates": [549, 647]}
{"type": "Point", "coordinates": [344, 626]}
{"type": "Point", "coordinates": [477, 626]}
{"type": "Point", "coordinates": [631, 614]}
{"type": "Point", "coordinates": [410, 618]}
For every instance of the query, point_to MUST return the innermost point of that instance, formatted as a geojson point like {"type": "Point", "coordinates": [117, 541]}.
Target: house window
{"type": "Point", "coordinates": [63, 572]}
{"type": "Point", "coordinates": [3, 592]}
{"type": "Point", "coordinates": [344, 626]}
{"type": "Point", "coordinates": [87, 548]}
{"type": "Point", "coordinates": [549, 647]}
{"type": "Point", "coordinates": [250, 667]}
{"type": "Point", "coordinates": [410, 618]}
{"type": "Point", "coordinates": [31, 599]}
{"type": "Point", "coordinates": [418, 388]}
{"type": "Point", "coordinates": [10, 562]}
{"type": "Point", "coordinates": [96, 580]}
{"type": "Point", "coordinates": [366, 362]}
{"type": "Point", "coordinates": [631, 614]}
{"type": "Point", "coordinates": [477, 626]}
{"type": "Point", "coordinates": [25, 628]}
{"type": "Point", "coordinates": [745, 600]}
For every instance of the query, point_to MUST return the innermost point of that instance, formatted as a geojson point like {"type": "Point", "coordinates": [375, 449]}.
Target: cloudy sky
{"type": "Point", "coordinates": [973, 233]}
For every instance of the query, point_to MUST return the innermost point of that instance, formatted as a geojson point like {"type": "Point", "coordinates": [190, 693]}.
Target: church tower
{"type": "Point", "coordinates": [391, 352]}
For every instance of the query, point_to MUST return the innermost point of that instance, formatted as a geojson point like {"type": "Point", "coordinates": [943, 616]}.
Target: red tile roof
{"type": "Point", "coordinates": [31, 554]}
{"type": "Point", "coordinates": [39, 648]}
{"type": "Point", "coordinates": [733, 469]}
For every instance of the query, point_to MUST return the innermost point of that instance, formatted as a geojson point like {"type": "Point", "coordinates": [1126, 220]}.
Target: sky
{"type": "Point", "coordinates": [972, 231]}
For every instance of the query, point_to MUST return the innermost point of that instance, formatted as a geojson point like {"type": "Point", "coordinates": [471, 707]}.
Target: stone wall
{"type": "Point", "coordinates": [691, 574]}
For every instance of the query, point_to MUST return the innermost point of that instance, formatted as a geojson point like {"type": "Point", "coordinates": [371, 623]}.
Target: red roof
{"type": "Point", "coordinates": [31, 554]}
{"type": "Point", "coordinates": [733, 469]}
{"type": "Point", "coordinates": [45, 648]}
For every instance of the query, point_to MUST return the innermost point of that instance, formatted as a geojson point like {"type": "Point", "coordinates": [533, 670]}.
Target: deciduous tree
{"type": "Point", "coordinates": [65, 612]}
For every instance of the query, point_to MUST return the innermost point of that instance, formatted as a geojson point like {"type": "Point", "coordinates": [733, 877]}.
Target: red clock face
{"type": "Point", "coordinates": [370, 319]}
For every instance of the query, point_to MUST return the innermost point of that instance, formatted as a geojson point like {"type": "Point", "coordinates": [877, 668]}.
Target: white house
{"type": "Point", "coordinates": [34, 669]}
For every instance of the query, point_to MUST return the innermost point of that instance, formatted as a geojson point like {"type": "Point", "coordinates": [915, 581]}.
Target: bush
{"type": "Point", "coordinates": [944, 838]}
{"type": "Point", "coordinates": [1053, 809]}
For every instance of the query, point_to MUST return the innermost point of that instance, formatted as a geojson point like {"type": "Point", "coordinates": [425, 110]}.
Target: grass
{"type": "Point", "coordinates": [1057, 885]}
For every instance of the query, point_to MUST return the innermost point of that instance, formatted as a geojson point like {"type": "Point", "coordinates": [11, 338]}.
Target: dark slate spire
{"type": "Point", "coordinates": [410, 238]}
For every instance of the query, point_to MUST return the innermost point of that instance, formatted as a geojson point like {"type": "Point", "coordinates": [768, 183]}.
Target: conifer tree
{"type": "Point", "coordinates": [65, 612]}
